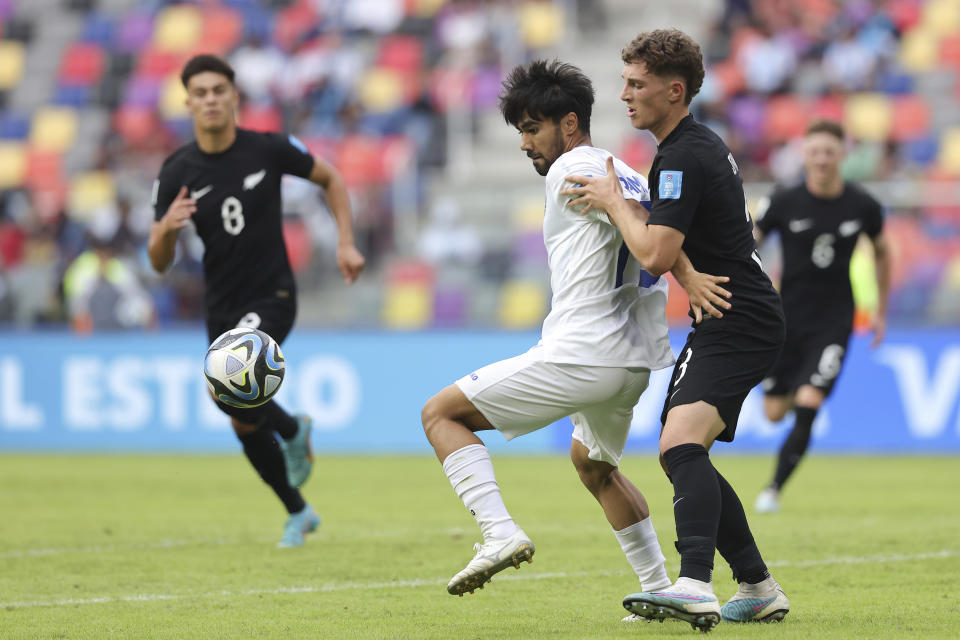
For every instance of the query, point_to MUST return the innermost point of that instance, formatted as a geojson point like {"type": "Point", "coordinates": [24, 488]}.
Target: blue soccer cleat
{"type": "Point", "coordinates": [678, 602]}
{"type": "Point", "coordinates": [298, 524]}
{"type": "Point", "coordinates": [762, 602]}
{"type": "Point", "coordinates": [297, 454]}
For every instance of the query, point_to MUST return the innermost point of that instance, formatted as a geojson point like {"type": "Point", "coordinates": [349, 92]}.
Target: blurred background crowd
{"type": "Point", "coordinates": [401, 95]}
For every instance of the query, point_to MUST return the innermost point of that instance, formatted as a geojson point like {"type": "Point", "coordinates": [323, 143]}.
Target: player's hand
{"type": "Point", "coordinates": [350, 261]}
{"type": "Point", "coordinates": [594, 193]}
{"type": "Point", "coordinates": [179, 212]}
{"type": "Point", "coordinates": [706, 294]}
{"type": "Point", "coordinates": [878, 324]}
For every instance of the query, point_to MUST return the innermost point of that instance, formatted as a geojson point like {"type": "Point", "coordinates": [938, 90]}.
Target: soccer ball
{"type": "Point", "coordinates": [244, 368]}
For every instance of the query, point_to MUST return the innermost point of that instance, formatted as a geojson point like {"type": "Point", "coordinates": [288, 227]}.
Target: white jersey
{"type": "Point", "coordinates": [600, 314]}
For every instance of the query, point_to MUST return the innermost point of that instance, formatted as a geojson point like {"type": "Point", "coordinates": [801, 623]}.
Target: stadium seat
{"type": "Point", "coordinates": [143, 91]}
{"type": "Point", "coordinates": [133, 32]}
{"type": "Point", "coordinates": [82, 64]}
{"type": "Point", "coordinates": [895, 82]}
{"type": "Point", "coordinates": [135, 123]}
{"type": "Point", "coordinates": [541, 23]}
{"type": "Point", "coordinates": [44, 170]}
{"type": "Point", "coordinates": [523, 304]}
{"type": "Point", "coordinates": [13, 126]}
{"type": "Point", "coordinates": [158, 64]}
{"type": "Point", "coordinates": [911, 118]}
{"type": "Point", "coordinates": [261, 117]}
{"type": "Point", "coordinates": [728, 78]}
{"type": "Point", "coordinates": [12, 56]}
{"type": "Point", "coordinates": [298, 243]}
{"type": "Point", "coordinates": [13, 165]}
{"type": "Point", "coordinates": [76, 96]}
{"type": "Point", "coordinates": [53, 129]}
{"type": "Point", "coordinates": [381, 90]}
{"type": "Point", "coordinates": [178, 28]}
{"type": "Point", "coordinates": [90, 192]}
{"type": "Point", "coordinates": [400, 53]}
{"type": "Point", "coordinates": [292, 24]}
{"type": "Point", "coordinates": [949, 158]}
{"type": "Point", "coordinates": [408, 300]}
{"type": "Point", "coordinates": [921, 151]}
{"type": "Point", "coordinates": [828, 107]}
{"type": "Point", "coordinates": [424, 8]}
{"type": "Point", "coordinates": [222, 29]}
{"type": "Point", "coordinates": [904, 14]}
{"type": "Point", "coordinates": [869, 116]}
{"type": "Point", "coordinates": [748, 115]}
{"type": "Point", "coordinates": [173, 98]}
{"type": "Point", "coordinates": [918, 50]}
{"type": "Point", "coordinates": [941, 17]}
{"type": "Point", "coordinates": [449, 306]}
{"type": "Point", "coordinates": [360, 160]}
{"type": "Point", "coordinates": [98, 29]}
{"type": "Point", "coordinates": [786, 118]}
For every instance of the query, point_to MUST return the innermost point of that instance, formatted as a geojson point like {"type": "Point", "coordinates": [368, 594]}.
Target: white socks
{"type": "Point", "coordinates": [642, 548]}
{"type": "Point", "coordinates": [471, 474]}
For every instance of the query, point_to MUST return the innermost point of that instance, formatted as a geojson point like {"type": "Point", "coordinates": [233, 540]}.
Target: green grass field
{"type": "Point", "coordinates": [183, 547]}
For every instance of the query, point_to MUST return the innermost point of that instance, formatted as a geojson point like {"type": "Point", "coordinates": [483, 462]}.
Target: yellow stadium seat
{"type": "Point", "coordinates": [90, 192]}
{"type": "Point", "coordinates": [178, 28]}
{"type": "Point", "coordinates": [919, 50]}
{"type": "Point", "coordinates": [13, 165]}
{"type": "Point", "coordinates": [541, 24]}
{"type": "Point", "coordinates": [426, 8]}
{"type": "Point", "coordinates": [869, 116]}
{"type": "Point", "coordinates": [173, 98]}
{"type": "Point", "coordinates": [951, 278]}
{"type": "Point", "coordinates": [941, 16]}
{"type": "Point", "coordinates": [949, 158]}
{"type": "Point", "coordinates": [381, 90]}
{"type": "Point", "coordinates": [11, 63]}
{"type": "Point", "coordinates": [408, 305]}
{"type": "Point", "coordinates": [523, 304]}
{"type": "Point", "coordinates": [528, 216]}
{"type": "Point", "coordinates": [53, 129]}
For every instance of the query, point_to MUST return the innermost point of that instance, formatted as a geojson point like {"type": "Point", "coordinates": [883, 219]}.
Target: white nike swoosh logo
{"type": "Point", "coordinates": [849, 227]}
{"type": "Point", "coordinates": [253, 179]}
{"type": "Point", "coordinates": [677, 501]}
{"type": "Point", "coordinates": [797, 226]}
{"type": "Point", "coordinates": [199, 193]}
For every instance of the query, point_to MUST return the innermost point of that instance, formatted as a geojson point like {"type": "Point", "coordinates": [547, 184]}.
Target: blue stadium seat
{"type": "Point", "coordinates": [98, 29]}
{"type": "Point", "coordinates": [14, 126]}
{"type": "Point", "coordinates": [895, 82]}
{"type": "Point", "coordinates": [922, 151]}
{"type": "Point", "coordinates": [72, 96]}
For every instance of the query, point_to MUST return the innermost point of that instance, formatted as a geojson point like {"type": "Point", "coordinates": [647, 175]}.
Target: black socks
{"type": "Point", "coordinates": [795, 445]}
{"type": "Point", "coordinates": [696, 508]}
{"type": "Point", "coordinates": [734, 540]}
{"type": "Point", "coordinates": [274, 417]}
{"type": "Point", "coordinates": [263, 451]}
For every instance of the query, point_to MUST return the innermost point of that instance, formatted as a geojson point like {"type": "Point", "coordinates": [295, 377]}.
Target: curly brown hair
{"type": "Point", "coordinates": [667, 53]}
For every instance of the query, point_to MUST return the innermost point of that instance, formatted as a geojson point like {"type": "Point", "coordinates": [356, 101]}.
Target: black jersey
{"type": "Point", "coordinates": [239, 213]}
{"type": "Point", "coordinates": [695, 187]}
{"type": "Point", "coordinates": [818, 238]}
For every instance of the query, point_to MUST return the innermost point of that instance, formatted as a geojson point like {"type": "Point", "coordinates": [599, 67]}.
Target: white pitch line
{"type": "Point", "coordinates": [412, 584]}
{"type": "Point", "coordinates": [112, 548]}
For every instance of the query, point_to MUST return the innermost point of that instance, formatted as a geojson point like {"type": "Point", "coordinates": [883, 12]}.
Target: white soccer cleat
{"type": "Point", "coordinates": [687, 600]}
{"type": "Point", "coordinates": [492, 556]}
{"type": "Point", "coordinates": [768, 501]}
{"type": "Point", "coordinates": [762, 602]}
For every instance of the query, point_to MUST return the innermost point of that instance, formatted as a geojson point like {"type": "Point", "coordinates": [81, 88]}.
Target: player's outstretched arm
{"type": "Point", "coordinates": [349, 258]}
{"type": "Point", "coordinates": [655, 247]}
{"type": "Point", "coordinates": [162, 243]}
{"type": "Point", "coordinates": [881, 256]}
{"type": "Point", "coordinates": [703, 289]}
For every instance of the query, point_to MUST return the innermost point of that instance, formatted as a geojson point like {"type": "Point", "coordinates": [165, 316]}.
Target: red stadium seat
{"type": "Point", "coordinates": [265, 118]}
{"type": "Point", "coordinates": [222, 29]}
{"type": "Point", "coordinates": [293, 23]}
{"type": "Point", "coordinates": [828, 108]}
{"type": "Point", "coordinates": [44, 169]}
{"type": "Point", "coordinates": [299, 245]}
{"type": "Point", "coordinates": [786, 118]}
{"type": "Point", "coordinates": [400, 53]}
{"type": "Point", "coordinates": [360, 160]}
{"type": "Point", "coordinates": [135, 124]}
{"type": "Point", "coordinates": [82, 64]}
{"type": "Point", "coordinates": [911, 118]}
{"type": "Point", "coordinates": [159, 64]}
{"type": "Point", "coordinates": [950, 50]}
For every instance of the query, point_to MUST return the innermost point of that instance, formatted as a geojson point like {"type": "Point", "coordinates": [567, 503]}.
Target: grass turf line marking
{"type": "Point", "coordinates": [112, 548]}
{"type": "Point", "coordinates": [370, 586]}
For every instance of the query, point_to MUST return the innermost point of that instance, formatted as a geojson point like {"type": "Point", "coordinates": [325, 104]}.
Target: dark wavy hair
{"type": "Point", "coordinates": [668, 53]}
{"type": "Point", "coordinates": [827, 126]}
{"type": "Point", "coordinates": [205, 62]}
{"type": "Point", "coordinates": [545, 89]}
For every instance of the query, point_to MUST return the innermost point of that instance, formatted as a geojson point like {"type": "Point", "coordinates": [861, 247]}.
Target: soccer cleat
{"type": "Point", "coordinates": [701, 611]}
{"type": "Point", "coordinates": [492, 556]}
{"type": "Point", "coordinates": [768, 501]}
{"type": "Point", "coordinates": [299, 523]}
{"type": "Point", "coordinates": [297, 453]}
{"type": "Point", "coordinates": [763, 602]}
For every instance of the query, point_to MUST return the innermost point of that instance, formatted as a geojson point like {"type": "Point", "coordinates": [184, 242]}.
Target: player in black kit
{"type": "Point", "coordinates": [227, 183]}
{"type": "Point", "coordinates": [819, 222]}
{"type": "Point", "coordinates": [698, 205]}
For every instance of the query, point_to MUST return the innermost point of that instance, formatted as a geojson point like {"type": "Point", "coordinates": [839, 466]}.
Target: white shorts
{"type": "Point", "coordinates": [524, 393]}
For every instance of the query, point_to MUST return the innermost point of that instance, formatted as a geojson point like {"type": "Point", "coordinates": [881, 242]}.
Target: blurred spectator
{"type": "Point", "coordinates": [259, 67]}
{"type": "Point", "coordinates": [446, 239]}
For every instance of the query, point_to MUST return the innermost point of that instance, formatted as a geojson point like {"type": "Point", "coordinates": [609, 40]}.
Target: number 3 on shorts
{"type": "Point", "coordinates": [683, 367]}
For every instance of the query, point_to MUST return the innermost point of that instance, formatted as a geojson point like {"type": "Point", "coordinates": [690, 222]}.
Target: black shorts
{"type": "Point", "coordinates": [815, 359]}
{"type": "Point", "coordinates": [273, 316]}
{"type": "Point", "coordinates": [720, 366]}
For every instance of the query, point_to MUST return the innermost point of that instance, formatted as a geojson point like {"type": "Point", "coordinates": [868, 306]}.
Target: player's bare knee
{"type": "Point", "coordinates": [431, 416]}
{"type": "Point", "coordinates": [594, 475]}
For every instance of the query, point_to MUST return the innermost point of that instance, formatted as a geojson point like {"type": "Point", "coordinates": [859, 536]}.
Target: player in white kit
{"type": "Point", "coordinates": [605, 332]}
